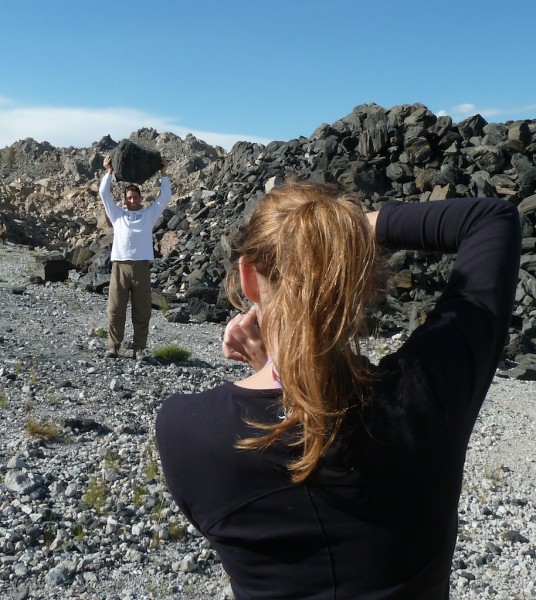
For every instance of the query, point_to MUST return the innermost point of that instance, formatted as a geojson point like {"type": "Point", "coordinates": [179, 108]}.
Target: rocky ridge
{"type": "Point", "coordinates": [49, 199]}
{"type": "Point", "coordinates": [84, 511]}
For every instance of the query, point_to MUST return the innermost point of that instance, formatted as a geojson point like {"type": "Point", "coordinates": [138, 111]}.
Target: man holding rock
{"type": "Point", "coordinates": [132, 254]}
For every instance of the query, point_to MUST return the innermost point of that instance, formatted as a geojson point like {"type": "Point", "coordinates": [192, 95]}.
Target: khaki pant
{"type": "Point", "coordinates": [130, 279]}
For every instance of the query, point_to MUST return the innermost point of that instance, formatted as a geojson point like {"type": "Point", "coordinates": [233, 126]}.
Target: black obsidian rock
{"type": "Point", "coordinates": [134, 164]}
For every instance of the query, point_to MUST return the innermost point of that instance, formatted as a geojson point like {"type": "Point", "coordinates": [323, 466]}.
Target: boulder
{"type": "Point", "coordinates": [79, 256]}
{"type": "Point", "coordinates": [94, 282]}
{"type": "Point", "coordinates": [53, 267]}
{"type": "Point", "coordinates": [135, 164]}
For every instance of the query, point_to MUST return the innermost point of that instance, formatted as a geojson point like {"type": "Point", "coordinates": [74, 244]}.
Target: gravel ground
{"type": "Point", "coordinates": [84, 512]}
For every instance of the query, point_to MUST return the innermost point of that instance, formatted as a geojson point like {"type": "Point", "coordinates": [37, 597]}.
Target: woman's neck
{"type": "Point", "coordinates": [262, 380]}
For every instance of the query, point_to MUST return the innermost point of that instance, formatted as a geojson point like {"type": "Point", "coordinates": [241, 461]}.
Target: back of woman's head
{"type": "Point", "coordinates": [316, 248]}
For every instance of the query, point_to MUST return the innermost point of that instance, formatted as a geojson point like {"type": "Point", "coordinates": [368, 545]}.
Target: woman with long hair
{"type": "Point", "coordinates": [321, 475]}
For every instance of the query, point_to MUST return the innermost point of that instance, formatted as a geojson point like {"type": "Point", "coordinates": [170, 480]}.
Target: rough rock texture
{"type": "Point", "coordinates": [405, 152]}
{"type": "Point", "coordinates": [133, 163]}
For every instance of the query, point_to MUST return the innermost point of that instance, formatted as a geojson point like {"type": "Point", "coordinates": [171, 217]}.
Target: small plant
{"type": "Point", "coordinates": [164, 306]}
{"type": "Point", "coordinates": [48, 537]}
{"type": "Point", "coordinates": [18, 367]}
{"type": "Point", "coordinates": [172, 353]}
{"type": "Point", "coordinates": [3, 400]}
{"type": "Point", "coordinates": [53, 400]}
{"type": "Point", "coordinates": [34, 375]}
{"type": "Point", "coordinates": [46, 430]}
{"type": "Point", "coordinates": [155, 540]}
{"type": "Point", "coordinates": [151, 469]}
{"type": "Point", "coordinates": [73, 305]}
{"type": "Point", "coordinates": [79, 532]}
{"type": "Point", "coordinates": [138, 496]}
{"type": "Point", "coordinates": [100, 332]}
{"type": "Point", "coordinates": [157, 512]}
{"type": "Point", "coordinates": [150, 455]}
{"type": "Point", "coordinates": [177, 532]}
{"type": "Point", "coordinates": [96, 494]}
{"type": "Point", "coordinates": [111, 461]}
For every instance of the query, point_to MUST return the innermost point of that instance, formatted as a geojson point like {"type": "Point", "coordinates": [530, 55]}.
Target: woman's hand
{"type": "Point", "coordinates": [242, 340]}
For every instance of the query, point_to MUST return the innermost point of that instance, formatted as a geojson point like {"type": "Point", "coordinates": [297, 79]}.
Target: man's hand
{"type": "Point", "coordinates": [242, 340]}
{"type": "Point", "coordinates": [163, 170]}
{"type": "Point", "coordinates": [107, 164]}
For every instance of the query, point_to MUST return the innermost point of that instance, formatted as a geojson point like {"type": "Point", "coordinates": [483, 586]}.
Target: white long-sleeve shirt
{"type": "Point", "coordinates": [133, 229]}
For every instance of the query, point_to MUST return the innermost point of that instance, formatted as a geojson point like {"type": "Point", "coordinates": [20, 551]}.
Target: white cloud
{"type": "Point", "coordinates": [465, 110]}
{"type": "Point", "coordinates": [80, 127]}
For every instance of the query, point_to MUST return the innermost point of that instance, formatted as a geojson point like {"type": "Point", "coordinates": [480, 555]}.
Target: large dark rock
{"type": "Point", "coordinates": [94, 282]}
{"type": "Point", "coordinates": [52, 267]}
{"type": "Point", "coordinates": [79, 256]}
{"type": "Point", "coordinates": [177, 315]}
{"type": "Point", "coordinates": [135, 164]}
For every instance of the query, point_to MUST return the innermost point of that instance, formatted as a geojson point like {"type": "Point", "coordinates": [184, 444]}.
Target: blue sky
{"type": "Point", "coordinates": [72, 71]}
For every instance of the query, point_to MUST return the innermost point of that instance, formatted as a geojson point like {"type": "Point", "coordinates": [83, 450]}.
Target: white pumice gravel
{"type": "Point", "coordinates": [87, 515]}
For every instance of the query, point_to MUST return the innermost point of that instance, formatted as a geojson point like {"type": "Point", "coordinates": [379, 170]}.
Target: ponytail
{"type": "Point", "coordinates": [316, 248]}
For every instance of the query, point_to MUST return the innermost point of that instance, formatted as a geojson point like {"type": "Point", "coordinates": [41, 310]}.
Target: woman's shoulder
{"type": "Point", "coordinates": [185, 421]}
{"type": "Point", "coordinates": [180, 402]}
{"type": "Point", "coordinates": [224, 403]}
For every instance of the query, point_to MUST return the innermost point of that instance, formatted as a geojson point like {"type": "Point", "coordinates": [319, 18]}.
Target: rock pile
{"type": "Point", "coordinates": [405, 152]}
{"type": "Point", "coordinates": [49, 196]}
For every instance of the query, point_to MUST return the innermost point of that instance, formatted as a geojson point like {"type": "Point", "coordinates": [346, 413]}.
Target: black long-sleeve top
{"type": "Point", "coordinates": [377, 520]}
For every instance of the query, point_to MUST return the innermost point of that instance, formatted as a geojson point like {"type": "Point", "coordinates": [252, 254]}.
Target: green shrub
{"type": "Point", "coordinates": [96, 494]}
{"type": "Point", "coordinates": [151, 469]}
{"type": "Point", "coordinates": [112, 462]}
{"type": "Point", "coordinates": [46, 430]}
{"type": "Point", "coordinates": [177, 532]}
{"type": "Point", "coordinates": [172, 353]}
{"type": "Point", "coordinates": [79, 532]}
{"type": "Point", "coordinates": [138, 495]}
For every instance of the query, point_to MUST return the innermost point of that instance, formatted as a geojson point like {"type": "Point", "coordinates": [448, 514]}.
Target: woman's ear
{"type": "Point", "coordinates": [248, 280]}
